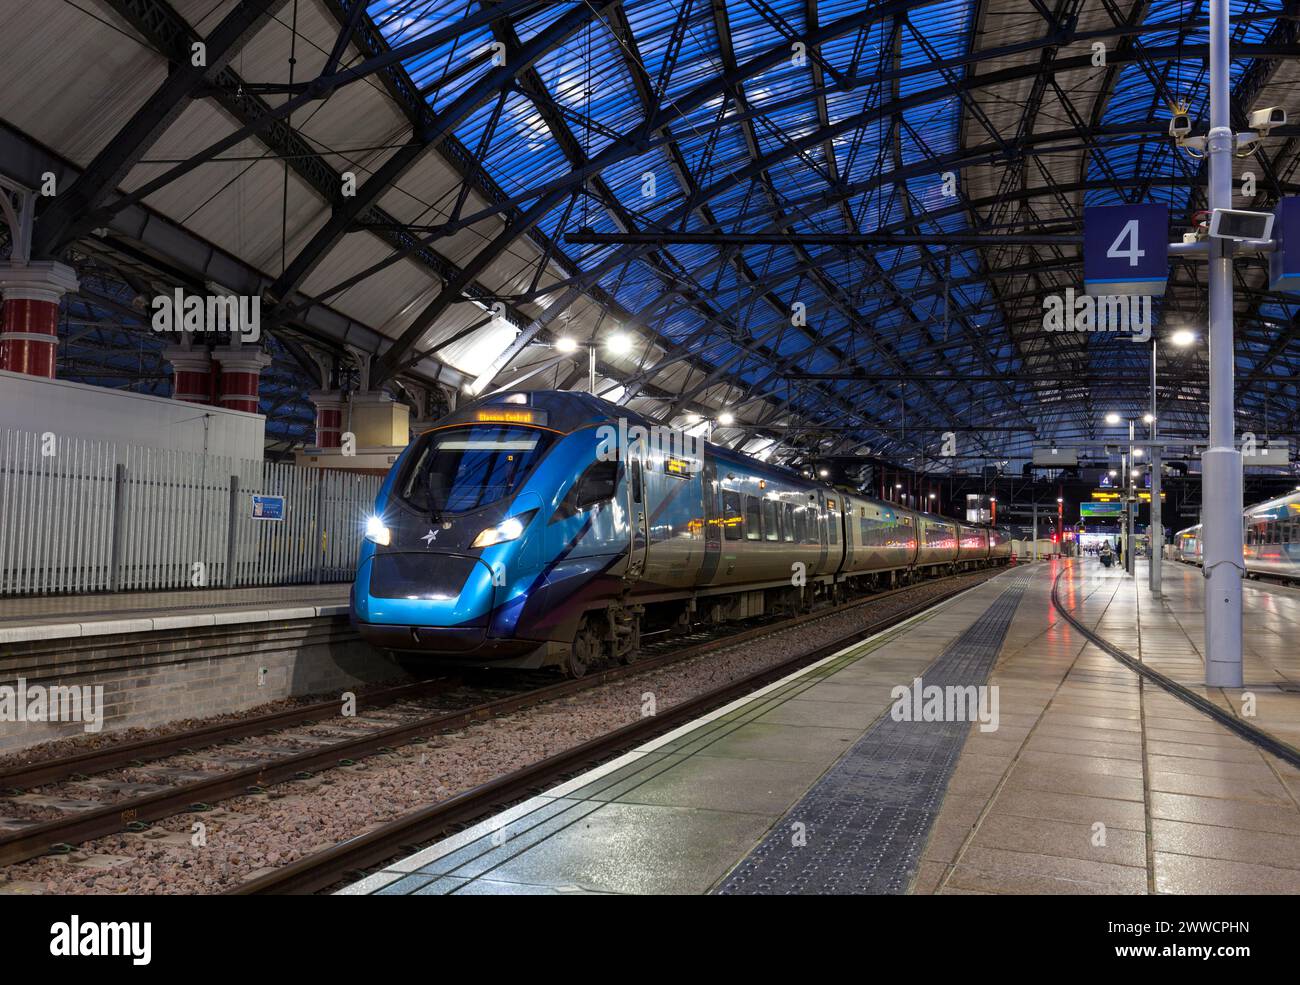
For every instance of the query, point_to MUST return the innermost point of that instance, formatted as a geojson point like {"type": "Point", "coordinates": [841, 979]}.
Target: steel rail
{"type": "Point", "coordinates": [327, 867]}
{"type": "Point", "coordinates": [60, 834]}
{"type": "Point", "coordinates": [135, 753]}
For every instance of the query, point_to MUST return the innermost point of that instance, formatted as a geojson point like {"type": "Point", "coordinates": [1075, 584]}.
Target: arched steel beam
{"type": "Point", "coordinates": [638, 142]}
{"type": "Point", "coordinates": [722, 29]}
{"type": "Point", "coordinates": [347, 210]}
{"type": "Point", "coordinates": [66, 217]}
{"type": "Point", "coordinates": [634, 143]}
{"type": "Point", "coordinates": [989, 80]}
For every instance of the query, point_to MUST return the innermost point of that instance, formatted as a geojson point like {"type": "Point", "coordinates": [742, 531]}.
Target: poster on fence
{"type": "Point", "coordinates": [268, 507]}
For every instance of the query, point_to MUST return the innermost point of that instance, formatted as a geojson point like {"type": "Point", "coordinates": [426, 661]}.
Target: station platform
{"type": "Point", "coordinates": [1090, 780]}
{"type": "Point", "coordinates": [68, 616]}
{"type": "Point", "coordinates": [168, 656]}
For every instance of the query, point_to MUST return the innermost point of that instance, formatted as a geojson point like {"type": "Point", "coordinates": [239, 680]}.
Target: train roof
{"type": "Point", "coordinates": [567, 411]}
{"type": "Point", "coordinates": [1290, 503]}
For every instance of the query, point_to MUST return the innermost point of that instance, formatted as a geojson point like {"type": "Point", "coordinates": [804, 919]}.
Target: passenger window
{"type": "Point", "coordinates": [788, 527]}
{"type": "Point", "coordinates": [800, 525]}
{"type": "Point", "coordinates": [731, 518]}
{"type": "Point", "coordinates": [833, 525]}
{"type": "Point", "coordinates": [596, 485]}
{"type": "Point", "coordinates": [771, 520]}
{"type": "Point", "coordinates": [753, 519]}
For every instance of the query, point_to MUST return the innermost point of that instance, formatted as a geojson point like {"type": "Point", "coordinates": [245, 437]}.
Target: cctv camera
{"type": "Point", "coordinates": [1266, 119]}
{"type": "Point", "coordinates": [1180, 125]}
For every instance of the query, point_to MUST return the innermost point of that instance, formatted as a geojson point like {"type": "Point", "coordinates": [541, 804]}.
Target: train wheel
{"type": "Point", "coordinates": [585, 651]}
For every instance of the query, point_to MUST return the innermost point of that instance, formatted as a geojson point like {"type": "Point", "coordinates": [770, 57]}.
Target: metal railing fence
{"type": "Point", "coordinates": [79, 515]}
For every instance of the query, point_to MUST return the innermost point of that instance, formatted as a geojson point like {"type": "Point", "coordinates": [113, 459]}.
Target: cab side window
{"type": "Point", "coordinates": [596, 485]}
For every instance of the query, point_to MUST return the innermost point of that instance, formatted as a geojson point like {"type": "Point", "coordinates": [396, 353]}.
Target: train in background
{"type": "Point", "coordinates": [511, 534]}
{"type": "Point", "coordinates": [1271, 538]}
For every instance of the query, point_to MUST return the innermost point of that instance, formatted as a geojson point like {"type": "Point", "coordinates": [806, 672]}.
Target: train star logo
{"type": "Point", "coordinates": [430, 537]}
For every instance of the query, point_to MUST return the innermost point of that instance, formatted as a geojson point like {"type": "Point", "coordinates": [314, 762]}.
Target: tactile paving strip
{"type": "Point", "coordinates": [861, 828]}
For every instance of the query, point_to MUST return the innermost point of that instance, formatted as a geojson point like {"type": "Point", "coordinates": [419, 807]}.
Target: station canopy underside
{"type": "Point", "coordinates": [741, 137]}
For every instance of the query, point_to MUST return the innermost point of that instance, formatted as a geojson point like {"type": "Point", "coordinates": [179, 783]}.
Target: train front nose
{"type": "Point", "coordinates": [424, 600]}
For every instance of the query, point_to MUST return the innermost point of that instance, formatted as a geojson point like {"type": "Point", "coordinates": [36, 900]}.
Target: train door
{"type": "Point", "coordinates": [822, 520]}
{"type": "Point", "coordinates": [637, 513]}
{"type": "Point", "coordinates": [712, 523]}
{"type": "Point", "coordinates": [834, 528]}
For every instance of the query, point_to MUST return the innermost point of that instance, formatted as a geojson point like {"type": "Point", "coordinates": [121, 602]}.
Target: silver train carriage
{"type": "Point", "coordinates": [1270, 534]}
{"type": "Point", "coordinates": [540, 528]}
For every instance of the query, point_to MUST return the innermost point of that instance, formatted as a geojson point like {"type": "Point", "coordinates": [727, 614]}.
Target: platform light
{"type": "Point", "coordinates": [1060, 499]}
{"type": "Point", "coordinates": [566, 344]}
{"type": "Point", "coordinates": [377, 532]}
{"type": "Point", "coordinates": [1113, 473]}
{"type": "Point", "coordinates": [1112, 418]}
{"type": "Point", "coordinates": [619, 344]}
{"type": "Point", "coordinates": [1148, 418]}
{"type": "Point", "coordinates": [1137, 452]}
{"type": "Point", "coordinates": [726, 419]}
{"type": "Point", "coordinates": [823, 473]}
{"type": "Point", "coordinates": [1183, 338]}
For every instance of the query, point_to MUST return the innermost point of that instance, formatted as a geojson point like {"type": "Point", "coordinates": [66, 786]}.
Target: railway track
{"type": "Point", "coordinates": [75, 826]}
{"type": "Point", "coordinates": [327, 868]}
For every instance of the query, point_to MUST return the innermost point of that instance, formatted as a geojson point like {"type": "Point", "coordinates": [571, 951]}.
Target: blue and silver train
{"type": "Point", "coordinates": [546, 528]}
{"type": "Point", "coordinates": [1271, 539]}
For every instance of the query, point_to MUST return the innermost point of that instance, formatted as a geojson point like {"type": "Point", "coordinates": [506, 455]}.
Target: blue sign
{"type": "Point", "coordinates": [1284, 261]}
{"type": "Point", "coordinates": [268, 507]}
{"type": "Point", "coordinates": [1125, 249]}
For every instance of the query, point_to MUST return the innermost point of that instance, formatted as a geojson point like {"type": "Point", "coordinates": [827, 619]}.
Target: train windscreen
{"type": "Point", "coordinates": [455, 470]}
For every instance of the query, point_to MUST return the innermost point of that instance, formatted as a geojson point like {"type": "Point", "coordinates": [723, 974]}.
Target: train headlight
{"type": "Point", "coordinates": [504, 531]}
{"type": "Point", "coordinates": [376, 532]}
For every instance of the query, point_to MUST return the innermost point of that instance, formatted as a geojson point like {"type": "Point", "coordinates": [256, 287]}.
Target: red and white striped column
{"type": "Point", "coordinates": [241, 370]}
{"type": "Point", "coordinates": [29, 325]}
{"type": "Point", "coordinates": [191, 373]}
{"type": "Point", "coordinates": [329, 417]}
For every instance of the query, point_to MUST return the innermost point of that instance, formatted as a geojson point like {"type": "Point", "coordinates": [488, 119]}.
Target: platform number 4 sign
{"type": "Point", "coordinates": [1126, 246]}
{"type": "Point", "coordinates": [1125, 249]}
